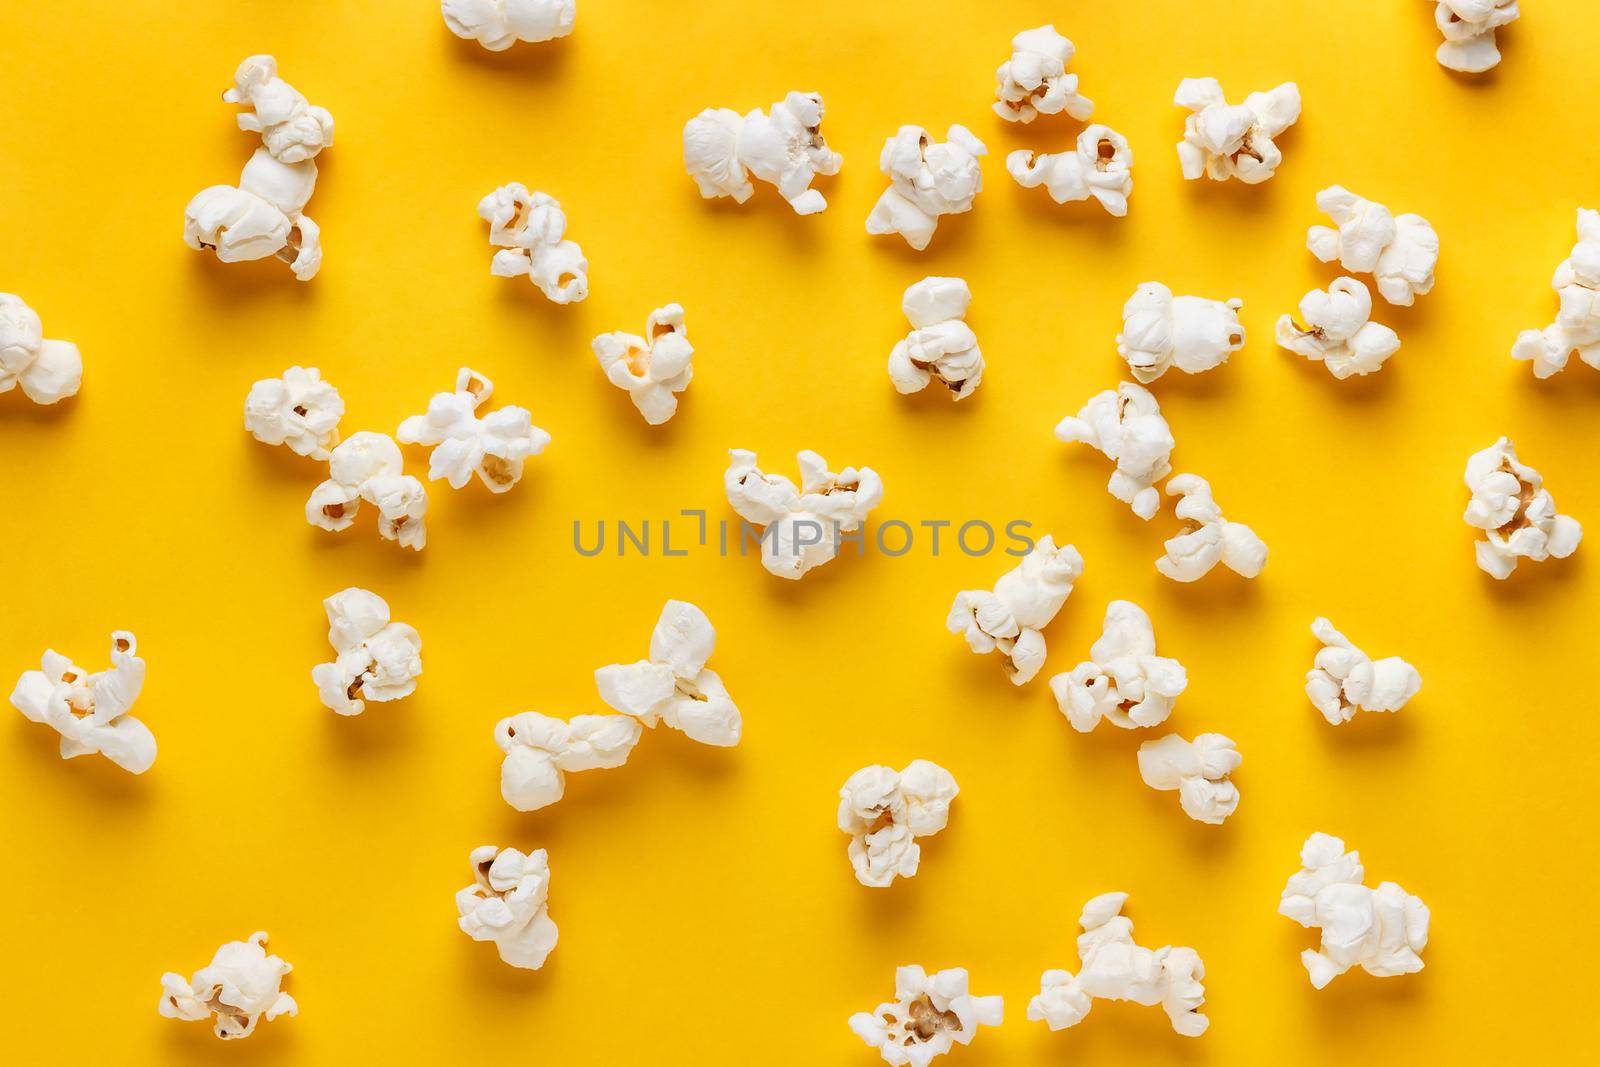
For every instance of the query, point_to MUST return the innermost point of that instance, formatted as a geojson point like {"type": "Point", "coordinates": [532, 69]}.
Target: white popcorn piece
{"type": "Point", "coordinates": [48, 371]}
{"type": "Point", "coordinates": [90, 711]}
{"type": "Point", "coordinates": [508, 903]}
{"type": "Point", "coordinates": [927, 179]}
{"type": "Point", "coordinates": [1399, 251]}
{"type": "Point", "coordinates": [1515, 511]}
{"type": "Point", "coordinates": [291, 128]}
{"type": "Point", "coordinates": [1207, 538]}
{"type": "Point", "coordinates": [1345, 680]}
{"type": "Point", "coordinates": [240, 987]}
{"type": "Point", "coordinates": [1126, 426]}
{"type": "Point", "coordinates": [493, 447]}
{"type": "Point", "coordinates": [263, 216]}
{"type": "Point", "coordinates": [674, 685]}
{"type": "Point", "coordinates": [1223, 141]}
{"type": "Point", "coordinates": [884, 811]}
{"type": "Point", "coordinates": [1114, 968]}
{"type": "Point", "coordinates": [1123, 681]}
{"type": "Point", "coordinates": [1034, 81]}
{"type": "Point", "coordinates": [940, 345]}
{"type": "Point", "coordinates": [499, 24]}
{"type": "Point", "coordinates": [802, 528]}
{"type": "Point", "coordinates": [930, 1015]}
{"type": "Point", "coordinates": [298, 409]}
{"type": "Point", "coordinates": [1101, 166]}
{"type": "Point", "coordinates": [1382, 930]}
{"type": "Point", "coordinates": [652, 369]}
{"type": "Point", "coordinates": [1010, 619]}
{"type": "Point", "coordinates": [1198, 770]}
{"type": "Point", "coordinates": [530, 231]}
{"type": "Point", "coordinates": [1577, 325]}
{"type": "Point", "coordinates": [540, 751]}
{"type": "Point", "coordinates": [1161, 331]}
{"type": "Point", "coordinates": [1469, 27]}
{"type": "Point", "coordinates": [369, 467]}
{"type": "Point", "coordinates": [785, 148]}
{"type": "Point", "coordinates": [1339, 332]}
{"type": "Point", "coordinates": [376, 659]}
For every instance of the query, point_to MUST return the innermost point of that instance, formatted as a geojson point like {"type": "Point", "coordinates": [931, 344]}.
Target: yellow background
{"type": "Point", "coordinates": [707, 910]}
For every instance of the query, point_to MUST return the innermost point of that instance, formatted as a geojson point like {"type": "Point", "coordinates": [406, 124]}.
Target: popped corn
{"type": "Point", "coordinates": [291, 127]}
{"type": "Point", "coordinates": [674, 685]}
{"type": "Point", "coordinates": [652, 369]}
{"type": "Point", "coordinates": [940, 345]}
{"type": "Point", "coordinates": [530, 231]}
{"type": "Point", "coordinates": [1469, 27]}
{"type": "Point", "coordinates": [1383, 930]}
{"type": "Point", "coordinates": [884, 811]}
{"type": "Point", "coordinates": [1010, 619]}
{"type": "Point", "coordinates": [1515, 511]}
{"type": "Point", "coordinates": [1162, 331]}
{"type": "Point", "coordinates": [90, 711]}
{"type": "Point", "coordinates": [785, 148]}
{"type": "Point", "coordinates": [930, 1015]}
{"type": "Point", "coordinates": [540, 751]}
{"type": "Point", "coordinates": [1123, 681]}
{"type": "Point", "coordinates": [508, 903]}
{"type": "Point", "coordinates": [1222, 140]}
{"type": "Point", "coordinates": [1339, 332]}
{"type": "Point", "coordinates": [1034, 81]}
{"type": "Point", "coordinates": [802, 527]}
{"type": "Point", "coordinates": [48, 371]}
{"type": "Point", "coordinates": [263, 216]}
{"type": "Point", "coordinates": [1577, 325]}
{"type": "Point", "coordinates": [499, 24]}
{"type": "Point", "coordinates": [1399, 251]}
{"type": "Point", "coordinates": [1126, 426]}
{"type": "Point", "coordinates": [927, 179]}
{"type": "Point", "coordinates": [493, 447]}
{"type": "Point", "coordinates": [369, 467]}
{"type": "Point", "coordinates": [376, 659]}
{"type": "Point", "coordinates": [298, 409]}
{"type": "Point", "coordinates": [1198, 770]}
{"type": "Point", "coordinates": [1100, 166]}
{"type": "Point", "coordinates": [1207, 538]}
{"type": "Point", "coordinates": [1345, 680]}
{"type": "Point", "coordinates": [240, 987]}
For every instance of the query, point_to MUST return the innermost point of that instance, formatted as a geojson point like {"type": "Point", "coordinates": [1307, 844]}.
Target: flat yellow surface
{"type": "Point", "coordinates": [707, 910]}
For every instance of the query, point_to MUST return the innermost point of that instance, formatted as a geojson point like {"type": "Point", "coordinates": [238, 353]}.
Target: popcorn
{"type": "Point", "coordinates": [653, 368]}
{"type": "Point", "coordinates": [90, 711]}
{"type": "Point", "coordinates": [1400, 252]}
{"type": "Point", "coordinates": [1101, 167]}
{"type": "Point", "coordinates": [1382, 930]}
{"type": "Point", "coordinates": [1468, 27]}
{"type": "Point", "coordinates": [1207, 538]}
{"type": "Point", "coordinates": [803, 526]}
{"type": "Point", "coordinates": [940, 345]}
{"type": "Point", "coordinates": [1346, 680]}
{"type": "Point", "coordinates": [1577, 325]}
{"type": "Point", "coordinates": [785, 149]}
{"type": "Point", "coordinates": [1191, 333]}
{"type": "Point", "coordinates": [540, 751]}
{"type": "Point", "coordinates": [377, 659]}
{"type": "Point", "coordinates": [239, 988]}
{"type": "Point", "coordinates": [673, 685]}
{"type": "Point", "coordinates": [263, 216]}
{"type": "Point", "coordinates": [1198, 770]}
{"type": "Point", "coordinates": [509, 903]}
{"type": "Point", "coordinates": [530, 231]}
{"type": "Point", "coordinates": [1125, 426]}
{"type": "Point", "coordinates": [1222, 140]}
{"type": "Point", "coordinates": [499, 24]}
{"type": "Point", "coordinates": [927, 180]}
{"type": "Point", "coordinates": [299, 410]}
{"type": "Point", "coordinates": [885, 811]}
{"type": "Point", "coordinates": [930, 1015]}
{"type": "Point", "coordinates": [291, 128]}
{"type": "Point", "coordinates": [1339, 332]}
{"type": "Point", "coordinates": [1034, 81]}
{"type": "Point", "coordinates": [1024, 600]}
{"type": "Point", "coordinates": [1114, 968]}
{"type": "Point", "coordinates": [1516, 512]}
{"type": "Point", "coordinates": [48, 371]}
{"type": "Point", "coordinates": [492, 447]}
{"type": "Point", "coordinates": [368, 467]}
{"type": "Point", "coordinates": [1123, 682]}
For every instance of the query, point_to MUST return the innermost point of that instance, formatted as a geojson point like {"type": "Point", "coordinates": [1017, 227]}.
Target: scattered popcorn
{"type": "Point", "coordinates": [653, 368]}
{"type": "Point", "coordinates": [508, 903]}
{"type": "Point", "coordinates": [499, 24]}
{"type": "Point", "coordinates": [1114, 968]}
{"type": "Point", "coordinates": [1346, 680]}
{"type": "Point", "coordinates": [1207, 538]}
{"type": "Point", "coordinates": [1191, 333]}
{"type": "Point", "coordinates": [530, 231]}
{"type": "Point", "coordinates": [1101, 167]}
{"type": "Point", "coordinates": [299, 410]}
{"type": "Point", "coordinates": [90, 711]}
{"type": "Point", "coordinates": [1382, 930]}
{"type": "Point", "coordinates": [1125, 426]}
{"type": "Point", "coordinates": [1468, 27]}
{"type": "Point", "coordinates": [940, 345]}
{"type": "Point", "coordinates": [1339, 331]}
{"type": "Point", "coordinates": [927, 180]}
{"type": "Point", "coordinates": [377, 659]}
{"type": "Point", "coordinates": [262, 217]}
{"type": "Point", "coordinates": [885, 811]}
{"type": "Point", "coordinates": [48, 371]}
{"type": "Point", "coordinates": [1222, 140]}
{"type": "Point", "coordinates": [1034, 81]}
{"type": "Point", "coordinates": [291, 128]}
{"type": "Point", "coordinates": [1577, 325]}
{"type": "Point", "coordinates": [803, 527]}
{"type": "Point", "coordinates": [786, 149]}
{"type": "Point", "coordinates": [541, 751]}
{"type": "Point", "coordinates": [368, 467]}
{"type": "Point", "coordinates": [492, 447]}
{"type": "Point", "coordinates": [673, 685]}
{"type": "Point", "coordinates": [1400, 252]}
{"type": "Point", "coordinates": [930, 1015]}
{"type": "Point", "coordinates": [1198, 770]}
{"type": "Point", "coordinates": [1123, 682]}
{"type": "Point", "coordinates": [1024, 600]}
{"type": "Point", "coordinates": [239, 988]}
{"type": "Point", "coordinates": [1516, 512]}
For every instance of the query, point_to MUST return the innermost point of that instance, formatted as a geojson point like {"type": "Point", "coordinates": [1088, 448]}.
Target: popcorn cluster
{"type": "Point", "coordinates": [1383, 930]}
{"type": "Point", "coordinates": [1100, 166]}
{"type": "Point", "coordinates": [1223, 140]}
{"type": "Point", "coordinates": [298, 409]}
{"type": "Point", "coordinates": [674, 686]}
{"type": "Point", "coordinates": [785, 148]}
{"type": "Point", "coordinates": [1469, 27]}
{"type": "Point", "coordinates": [376, 659]}
{"type": "Point", "coordinates": [492, 447]}
{"type": "Point", "coordinates": [541, 751]}
{"type": "Point", "coordinates": [1123, 681]}
{"type": "Point", "coordinates": [530, 231]}
{"type": "Point", "coordinates": [499, 24]}
{"type": "Point", "coordinates": [1125, 425]}
{"type": "Point", "coordinates": [90, 711]}
{"type": "Point", "coordinates": [1400, 252]}
{"type": "Point", "coordinates": [508, 903]}
{"type": "Point", "coordinates": [1577, 325]}
{"type": "Point", "coordinates": [1034, 81]}
{"type": "Point", "coordinates": [1010, 620]}
{"type": "Point", "coordinates": [292, 129]}
{"type": "Point", "coordinates": [368, 467]}
{"type": "Point", "coordinates": [884, 811]}
{"type": "Point", "coordinates": [1515, 511]}
{"type": "Point", "coordinates": [48, 371]}
{"type": "Point", "coordinates": [652, 369]}
{"type": "Point", "coordinates": [801, 528]}
{"type": "Point", "coordinates": [1198, 770]}
{"type": "Point", "coordinates": [1339, 332]}
{"type": "Point", "coordinates": [927, 180]}
{"type": "Point", "coordinates": [1345, 680]}
{"type": "Point", "coordinates": [1161, 331]}
{"type": "Point", "coordinates": [940, 345]}
{"type": "Point", "coordinates": [930, 1015]}
{"type": "Point", "coordinates": [241, 986]}
{"type": "Point", "coordinates": [1207, 538]}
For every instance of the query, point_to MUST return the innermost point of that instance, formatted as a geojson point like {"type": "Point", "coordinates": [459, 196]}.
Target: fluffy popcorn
{"type": "Point", "coordinates": [376, 659]}
{"type": "Point", "coordinates": [1191, 333]}
{"type": "Point", "coordinates": [508, 903]}
{"type": "Point", "coordinates": [674, 686]}
{"type": "Point", "coordinates": [492, 447]}
{"type": "Point", "coordinates": [369, 467]}
{"type": "Point", "coordinates": [1198, 770]}
{"type": "Point", "coordinates": [802, 527]}
{"type": "Point", "coordinates": [1034, 81]}
{"type": "Point", "coordinates": [1345, 680]}
{"type": "Point", "coordinates": [1399, 251]}
{"type": "Point", "coordinates": [1222, 140]}
{"type": "Point", "coordinates": [47, 371]}
{"type": "Point", "coordinates": [785, 148]}
{"type": "Point", "coordinates": [654, 368]}
{"type": "Point", "coordinates": [540, 751]}
{"type": "Point", "coordinates": [884, 811]}
{"type": "Point", "coordinates": [1207, 538]}
{"type": "Point", "coordinates": [1339, 332]}
{"type": "Point", "coordinates": [291, 128]}
{"type": "Point", "coordinates": [1125, 425]}
{"type": "Point", "coordinates": [1101, 166]}
{"type": "Point", "coordinates": [927, 179]}
{"type": "Point", "coordinates": [1114, 968]}
{"type": "Point", "coordinates": [1383, 930]}
{"type": "Point", "coordinates": [1469, 32]}
{"type": "Point", "coordinates": [263, 216]}
{"type": "Point", "coordinates": [1011, 619]}
{"type": "Point", "coordinates": [240, 987]}
{"type": "Point", "coordinates": [930, 1015]}
{"type": "Point", "coordinates": [1123, 681]}
{"type": "Point", "coordinates": [530, 231]}
{"type": "Point", "coordinates": [299, 410]}
{"type": "Point", "coordinates": [1515, 511]}
{"type": "Point", "coordinates": [940, 345]}
{"type": "Point", "coordinates": [499, 24]}
{"type": "Point", "coordinates": [1577, 325]}
{"type": "Point", "coordinates": [90, 711]}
